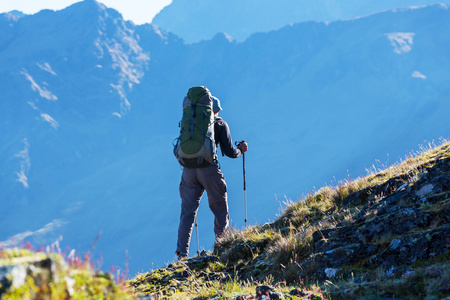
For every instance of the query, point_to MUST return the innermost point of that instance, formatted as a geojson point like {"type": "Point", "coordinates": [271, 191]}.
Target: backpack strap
{"type": "Point", "coordinates": [191, 120]}
{"type": "Point", "coordinates": [216, 119]}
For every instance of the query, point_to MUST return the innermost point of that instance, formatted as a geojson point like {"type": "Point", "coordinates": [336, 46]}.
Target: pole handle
{"type": "Point", "coordinates": [237, 143]}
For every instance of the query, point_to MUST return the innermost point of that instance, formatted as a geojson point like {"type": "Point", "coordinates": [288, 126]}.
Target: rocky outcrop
{"type": "Point", "coordinates": [399, 223]}
{"type": "Point", "coordinates": [36, 275]}
{"type": "Point", "coordinates": [39, 271]}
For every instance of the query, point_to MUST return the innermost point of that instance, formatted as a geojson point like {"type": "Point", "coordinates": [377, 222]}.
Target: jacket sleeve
{"type": "Point", "coordinates": [226, 142]}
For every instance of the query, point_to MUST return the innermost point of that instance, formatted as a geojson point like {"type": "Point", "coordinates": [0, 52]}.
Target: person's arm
{"type": "Point", "coordinates": [226, 142]}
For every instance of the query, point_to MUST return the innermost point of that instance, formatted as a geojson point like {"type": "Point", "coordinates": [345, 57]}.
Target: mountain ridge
{"type": "Point", "coordinates": [200, 20]}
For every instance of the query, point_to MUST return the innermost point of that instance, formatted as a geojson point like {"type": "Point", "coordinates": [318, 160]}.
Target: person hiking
{"type": "Point", "coordinates": [194, 181]}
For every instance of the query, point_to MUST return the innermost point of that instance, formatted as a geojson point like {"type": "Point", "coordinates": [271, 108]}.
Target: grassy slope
{"type": "Point", "coordinates": [277, 253]}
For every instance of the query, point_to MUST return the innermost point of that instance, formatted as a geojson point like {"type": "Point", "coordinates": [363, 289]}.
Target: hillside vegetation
{"type": "Point", "coordinates": [37, 274]}
{"type": "Point", "coordinates": [383, 236]}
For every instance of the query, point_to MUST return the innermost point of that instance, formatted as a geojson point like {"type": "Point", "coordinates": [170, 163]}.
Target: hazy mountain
{"type": "Point", "coordinates": [67, 123]}
{"type": "Point", "coordinates": [196, 20]}
{"type": "Point", "coordinates": [90, 106]}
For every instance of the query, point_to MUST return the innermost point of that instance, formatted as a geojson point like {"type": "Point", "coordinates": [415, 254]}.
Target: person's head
{"type": "Point", "coordinates": [216, 105]}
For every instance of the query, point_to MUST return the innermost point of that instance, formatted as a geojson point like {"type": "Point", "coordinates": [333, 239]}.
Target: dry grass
{"type": "Point", "coordinates": [327, 201]}
{"type": "Point", "coordinates": [272, 253]}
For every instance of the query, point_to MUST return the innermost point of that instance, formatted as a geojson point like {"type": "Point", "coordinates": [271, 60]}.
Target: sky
{"type": "Point", "coordinates": [138, 11]}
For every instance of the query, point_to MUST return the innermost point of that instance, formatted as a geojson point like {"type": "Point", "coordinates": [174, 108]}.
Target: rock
{"type": "Point", "coordinates": [371, 249]}
{"type": "Point", "coordinates": [409, 274]}
{"type": "Point", "coordinates": [36, 275]}
{"type": "Point", "coordinates": [146, 297]}
{"type": "Point", "coordinates": [446, 213]}
{"type": "Point", "coordinates": [393, 220]}
{"type": "Point", "coordinates": [182, 275]}
{"type": "Point", "coordinates": [434, 271]}
{"type": "Point", "coordinates": [397, 272]}
{"type": "Point", "coordinates": [17, 275]}
{"type": "Point", "coordinates": [425, 190]}
{"type": "Point", "coordinates": [263, 290]}
{"type": "Point", "coordinates": [297, 292]}
{"type": "Point", "coordinates": [323, 234]}
{"type": "Point", "coordinates": [275, 296]}
{"type": "Point", "coordinates": [394, 244]}
{"type": "Point", "coordinates": [40, 268]}
{"type": "Point", "coordinates": [330, 273]}
{"type": "Point", "coordinates": [198, 261]}
{"type": "Point", "coordinates": [413, 247]}
{"type": "Point", "coordinates": [445, 286]}
{"type": "Point", "coordinates": [357, 198]}
{"type": "Point", "coordinates": [342, 255]}
{"type": "Point", "coordinates": [215, 276]}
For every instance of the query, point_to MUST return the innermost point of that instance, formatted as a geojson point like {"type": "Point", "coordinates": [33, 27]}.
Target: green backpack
{"type": "Point", "coordinates": [195, 147]}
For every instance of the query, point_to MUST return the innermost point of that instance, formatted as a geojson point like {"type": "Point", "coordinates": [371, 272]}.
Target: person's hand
{"type": "Point", "coordinates": [243, 147]}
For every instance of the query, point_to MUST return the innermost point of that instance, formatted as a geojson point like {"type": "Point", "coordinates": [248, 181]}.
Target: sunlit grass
{"type": "Point", "coordinates": [51, 274]}
{"type": "Point", "coordinates": [273, 253]}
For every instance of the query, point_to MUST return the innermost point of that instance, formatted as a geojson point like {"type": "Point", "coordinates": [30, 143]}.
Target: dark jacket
{"type": "Point", "coordinates": [223, 138]}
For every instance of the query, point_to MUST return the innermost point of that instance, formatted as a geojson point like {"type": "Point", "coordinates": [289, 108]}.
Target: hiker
{"type": "Point", "coordinates": [194, 181]}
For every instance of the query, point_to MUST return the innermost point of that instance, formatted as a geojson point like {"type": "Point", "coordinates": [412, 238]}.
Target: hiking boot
{"type": "Point", "coordinates": [181, 256]}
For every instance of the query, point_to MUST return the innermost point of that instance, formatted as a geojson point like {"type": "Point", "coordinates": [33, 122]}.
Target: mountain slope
{"type": "Point", "coordinates": [200, 19]}
{"type": "Point", "coordinates": [65, 79]}
{"type": "Point", "coordinates": [384, 235]}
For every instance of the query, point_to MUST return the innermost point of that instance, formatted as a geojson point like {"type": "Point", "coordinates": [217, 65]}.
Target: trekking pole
{"type": "Point", "coordinates": [196, 234]}
{"type": "Point", "coordinates": [245, 184]}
